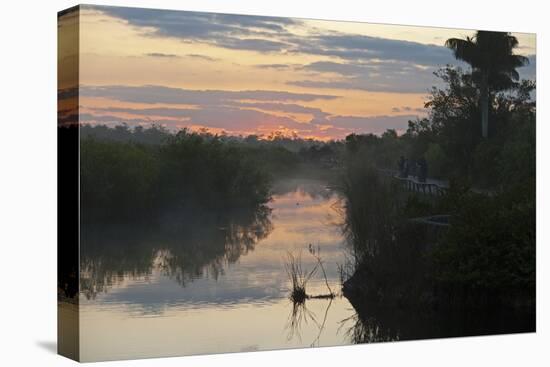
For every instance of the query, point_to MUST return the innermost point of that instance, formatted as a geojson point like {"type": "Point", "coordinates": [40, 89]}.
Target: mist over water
{"type": "Point", "coordinates": [146, 303]}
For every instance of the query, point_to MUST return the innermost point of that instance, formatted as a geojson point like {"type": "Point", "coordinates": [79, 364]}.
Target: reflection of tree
{"type": "Point", "coordinates": [186, 247]}
{"type": "Point", "coordinates": [366, 330]}
{"type": "Point", "coordinates": [209, 246]}
{"type": "Point", "coordinates": [374, 322]}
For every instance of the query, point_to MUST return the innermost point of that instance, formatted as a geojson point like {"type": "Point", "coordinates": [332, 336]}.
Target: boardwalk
{"type": "Point", "coordinates": [431, 186]}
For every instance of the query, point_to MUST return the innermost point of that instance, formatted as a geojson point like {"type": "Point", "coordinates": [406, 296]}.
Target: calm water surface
{"type": "Point", "coordinates": [225, 301]}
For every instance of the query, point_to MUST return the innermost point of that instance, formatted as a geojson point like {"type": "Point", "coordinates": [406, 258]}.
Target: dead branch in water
{"type": "Point", "coordinates": [317, 255]}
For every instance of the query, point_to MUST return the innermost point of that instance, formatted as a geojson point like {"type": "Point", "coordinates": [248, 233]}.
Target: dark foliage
{"type": "Point", "coordinates": [123, 177]}
{"type": "Point", "coordinates": [486, 257]}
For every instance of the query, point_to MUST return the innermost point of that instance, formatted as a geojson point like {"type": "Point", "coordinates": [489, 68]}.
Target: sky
{"type": "Point", "coordinates": [242, 75]}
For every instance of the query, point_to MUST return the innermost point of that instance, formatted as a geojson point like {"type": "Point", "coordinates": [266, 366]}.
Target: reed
{"type": "Point", "coordinates": [299, 277]}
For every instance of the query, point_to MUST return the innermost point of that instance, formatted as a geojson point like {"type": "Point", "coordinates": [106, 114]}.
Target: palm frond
{"type": "Point", "coordinates": [492, 54]}
{"type": "Point", "coordinates": [463, 49]}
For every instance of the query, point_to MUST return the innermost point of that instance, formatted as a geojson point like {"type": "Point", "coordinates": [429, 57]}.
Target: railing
{"type": "Point", "coordinates": [410, 183]}
{"type": "Point", "coordinates": [430, 187]}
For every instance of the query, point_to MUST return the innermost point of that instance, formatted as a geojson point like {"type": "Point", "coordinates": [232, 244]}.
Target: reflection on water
{"type": "Point", "coordinates": [374, 323]}
{"type": "Point", "coordinates": [183, 248]}
{"type": "Point", "coordinates": [211, 283]}
{"type": "Point", "coordinates": [205, 283]}
{"type": "Point", "coordinates": [301, 316]}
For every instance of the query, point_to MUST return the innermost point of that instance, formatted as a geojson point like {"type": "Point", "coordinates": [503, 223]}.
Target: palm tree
{"type": "Point", "coordinates": [491, 56]}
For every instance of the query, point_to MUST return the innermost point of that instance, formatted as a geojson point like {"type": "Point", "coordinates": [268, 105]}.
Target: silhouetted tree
{"type": "Point", "coordinates": [491, 56]}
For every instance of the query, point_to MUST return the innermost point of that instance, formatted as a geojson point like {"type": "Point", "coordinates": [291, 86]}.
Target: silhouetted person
{"type": "Point", "coordinates": [422, 169]}
{"type": "Point", "coordinates": [413, 170]}
{"type": "Point", "coordinates": [406, 168]}
{"type": "Point", "coordinates": [401, 166]}
{"type": "Point", "coordinates": [417, 170]}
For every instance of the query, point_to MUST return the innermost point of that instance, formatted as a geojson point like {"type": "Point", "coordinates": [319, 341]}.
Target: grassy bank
{"type": "Point", "coordinates": [485, 258]}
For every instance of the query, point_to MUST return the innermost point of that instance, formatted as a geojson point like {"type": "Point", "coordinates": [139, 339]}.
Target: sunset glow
{"type": "Point", "coordinates": [244, 75]}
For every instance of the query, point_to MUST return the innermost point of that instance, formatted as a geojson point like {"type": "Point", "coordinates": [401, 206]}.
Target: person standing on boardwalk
{"type": "Point", "coordinates": [422, 169]}
{"type": "Point", "coordinates": [401, 166]}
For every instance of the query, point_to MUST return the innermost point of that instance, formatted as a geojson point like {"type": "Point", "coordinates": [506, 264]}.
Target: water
{"type": "Point", "coordinates": [218, 287]}
{"type": "Point", "coordinates": [216, 282]}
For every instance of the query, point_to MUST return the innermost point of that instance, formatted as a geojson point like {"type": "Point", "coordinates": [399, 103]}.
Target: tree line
{"type": "Point", "coordinates": [486, 256]}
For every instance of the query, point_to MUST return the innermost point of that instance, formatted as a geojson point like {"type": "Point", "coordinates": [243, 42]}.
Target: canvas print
{"type": "Point", "coordinates": [232, 183]}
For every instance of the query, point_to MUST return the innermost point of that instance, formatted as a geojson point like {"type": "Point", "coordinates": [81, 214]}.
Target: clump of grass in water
{"type": "Point", "coordinates": [300, 277]}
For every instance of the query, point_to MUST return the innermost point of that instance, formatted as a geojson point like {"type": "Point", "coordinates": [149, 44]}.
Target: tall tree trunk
{"type": "Point", "coordinates": [484, 104]}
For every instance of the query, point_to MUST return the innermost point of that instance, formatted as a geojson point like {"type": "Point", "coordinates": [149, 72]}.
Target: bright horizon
{"type": "Point", "coordinates": [247, 75]}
